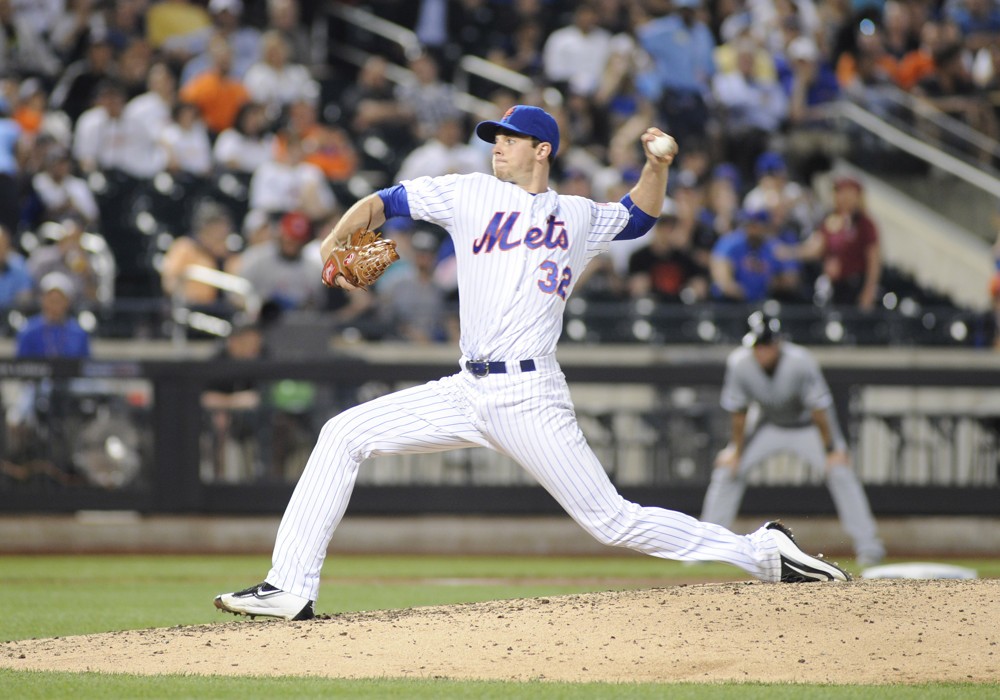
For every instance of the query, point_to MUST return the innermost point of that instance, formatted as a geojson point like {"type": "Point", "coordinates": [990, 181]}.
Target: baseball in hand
{"type": "Point", "coordinates": [663, 146]}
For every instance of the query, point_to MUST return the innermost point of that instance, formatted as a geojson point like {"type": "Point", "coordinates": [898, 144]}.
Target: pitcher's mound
{"type": "Point", "coordinates": [870, 631]}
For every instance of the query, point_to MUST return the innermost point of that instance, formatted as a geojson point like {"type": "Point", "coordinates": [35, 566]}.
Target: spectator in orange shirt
{"type": "Point", "coordinates": [918, 64]}
{"type": "Point", "coordinates": [870, 50]}
{"type": "Point", "coordinates": [30, 108]}
{"type": "Point", "coordinates": [209, 247]}
{"type": "Point", "coordinates": [900, 27]}
{"type": "Point", "coordinates": [327, 147]}
{"type": "Point", "coordinates": [29, 104]}
{"type": "Point", "coordinates": [218, 96]}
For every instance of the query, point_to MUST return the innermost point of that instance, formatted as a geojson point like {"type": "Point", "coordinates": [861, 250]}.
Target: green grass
{"type": "Point", "coordinates": [47, 596]}
{"type": "Point", "coordinates": [99, 594]}
{"type": "Point", "coordinates": [30, 685]}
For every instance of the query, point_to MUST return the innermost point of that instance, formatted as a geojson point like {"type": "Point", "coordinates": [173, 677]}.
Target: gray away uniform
{"type": "Point", "coordinates": [781, 421]}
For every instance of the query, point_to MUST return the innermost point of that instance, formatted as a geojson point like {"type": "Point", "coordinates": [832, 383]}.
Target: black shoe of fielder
{"type": "Point", "coordinates": [265, 600]}
{"type": "Point", "coordinates": [799, 567]}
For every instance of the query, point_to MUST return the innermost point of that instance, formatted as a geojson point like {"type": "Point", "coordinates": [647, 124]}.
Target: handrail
{"type": "Point", "coordinates": [935, 156]}
{"type": "Point", "coordinates": [358, 57]}
{"type": "Point", "coordinates": [481, 109]}
{"type": "Point", "coordinates": [930, 112]}
{"type": "Point", "coordinates": [405, 38]}
{"type": "Point", "coordinates": [492, 72]}
{"type": "Point", "coordinates": [183, 317]}
{"type": "Point", "coordinates": [410, 44]}
{"type": "Point", "coordinates": [469, 104]}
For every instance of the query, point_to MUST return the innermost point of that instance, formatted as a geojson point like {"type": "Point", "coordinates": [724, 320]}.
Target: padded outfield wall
{"type": "Point", "coordinates": [130, 433]}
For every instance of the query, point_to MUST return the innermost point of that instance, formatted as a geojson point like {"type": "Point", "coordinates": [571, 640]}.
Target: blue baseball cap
{"type": "Point", "coordinates": [769, 162]}
{"type": "Point", "coordinates": [758, 215]}
{"type": "Point", "coordinates": [525, 120]}
{"type": "Point", "coordinates": [728, 171]}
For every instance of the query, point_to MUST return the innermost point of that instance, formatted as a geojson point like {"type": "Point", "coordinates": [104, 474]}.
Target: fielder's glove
{"type": "Point", "coordinates": [361, 261]}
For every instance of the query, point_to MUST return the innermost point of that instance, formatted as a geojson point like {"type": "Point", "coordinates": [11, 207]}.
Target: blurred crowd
{"type": "Point", "coordinates": [140, 138]}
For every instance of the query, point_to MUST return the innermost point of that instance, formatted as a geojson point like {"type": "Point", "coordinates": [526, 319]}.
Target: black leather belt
{"type": "Point", "coordinates": [481, 369]}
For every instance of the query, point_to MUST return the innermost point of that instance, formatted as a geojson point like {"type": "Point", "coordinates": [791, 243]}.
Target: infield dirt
{"type": "Point", "coordinates": [884, 631]}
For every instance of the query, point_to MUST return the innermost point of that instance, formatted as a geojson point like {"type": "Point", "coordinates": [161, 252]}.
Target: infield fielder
{"type": "Point", "coordinates": [780, 403]}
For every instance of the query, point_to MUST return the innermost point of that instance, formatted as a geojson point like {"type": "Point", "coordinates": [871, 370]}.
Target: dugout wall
{"type": "Point", "coordinates": [135, 435]}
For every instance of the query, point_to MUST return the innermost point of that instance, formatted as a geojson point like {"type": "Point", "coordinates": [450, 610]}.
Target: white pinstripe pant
{"type": "Point", "coordinates": [528, 416]}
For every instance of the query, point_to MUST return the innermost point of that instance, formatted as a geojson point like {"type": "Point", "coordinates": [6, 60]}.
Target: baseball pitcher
{"type": "Point", "coordinates": [520, 248]}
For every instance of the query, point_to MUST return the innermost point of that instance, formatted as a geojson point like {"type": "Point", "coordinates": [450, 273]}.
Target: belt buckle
{"type": "Point", "coordinates": [479, 368]}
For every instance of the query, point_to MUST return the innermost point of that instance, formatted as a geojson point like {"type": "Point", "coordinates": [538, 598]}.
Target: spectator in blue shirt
{"type": "Point", "coordinates": [227, 21]}
{"type": "Point", "coordinates": [53, 333]}
{"type": "Point", "coordinates": [10, 145]}
{"type": "Point", "coordinates": [15, 281]}
{"type": "Point", "coordinates": [978, 20]}
{"type": "Point", "coordinates": [808, 78]}
{"type": "Point", "coordinates": [682, 47]}
{"type": "Point", "coordinates": [744, 265]}
{"type": "Point", "coordinates": [10, 132]}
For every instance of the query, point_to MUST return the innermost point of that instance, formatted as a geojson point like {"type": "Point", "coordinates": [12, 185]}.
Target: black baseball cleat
{"type": "Point", "coordinates": [796, 565]}
{"type": "Point", "coordinates": [265, 600]}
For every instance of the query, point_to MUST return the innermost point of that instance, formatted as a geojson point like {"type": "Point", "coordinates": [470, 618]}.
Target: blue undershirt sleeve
{"type": "Point", "coordinates": [395, 202]}
{"type": "Point", "coordinates": [639, 222]}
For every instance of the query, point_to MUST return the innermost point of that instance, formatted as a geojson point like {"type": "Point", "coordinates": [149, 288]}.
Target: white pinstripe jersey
{"type": "Point", "coordinates": [518, 255]}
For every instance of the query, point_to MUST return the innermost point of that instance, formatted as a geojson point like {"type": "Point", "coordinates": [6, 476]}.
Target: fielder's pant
{"type": "Point", "coordinates": [526, 415]}
{"type": "Point", "coordinates": [725, 491]}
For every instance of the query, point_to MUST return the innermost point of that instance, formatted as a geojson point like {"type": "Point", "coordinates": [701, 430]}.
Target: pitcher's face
{"type": "Point", "coordinates": [515, 157]}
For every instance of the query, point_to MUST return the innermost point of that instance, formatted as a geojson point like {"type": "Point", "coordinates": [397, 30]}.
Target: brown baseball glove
{"type": "Point", "coordinates": [362, 260]}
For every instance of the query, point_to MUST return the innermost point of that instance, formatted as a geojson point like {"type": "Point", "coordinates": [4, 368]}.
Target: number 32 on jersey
{"type": "Point", "coordinates": [553, 280]}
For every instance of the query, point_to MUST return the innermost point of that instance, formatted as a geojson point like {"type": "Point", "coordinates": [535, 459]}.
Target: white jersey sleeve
{"type": "Point", "coordinates": [606, 222]}
{"type": "Point", "coordinates": [432, 199]}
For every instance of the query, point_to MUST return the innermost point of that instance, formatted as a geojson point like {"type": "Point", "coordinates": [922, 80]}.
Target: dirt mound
{"type": "Point", "coordinates": [903, 631]}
